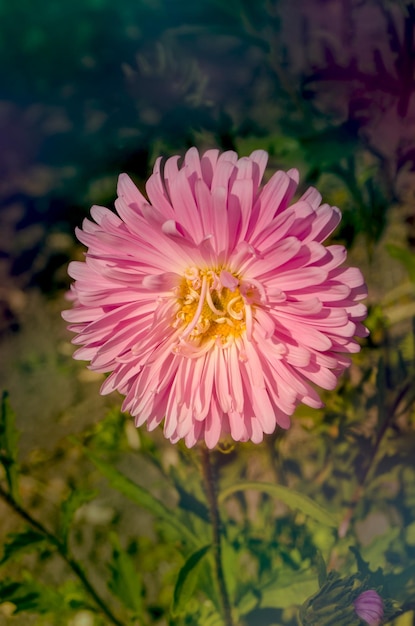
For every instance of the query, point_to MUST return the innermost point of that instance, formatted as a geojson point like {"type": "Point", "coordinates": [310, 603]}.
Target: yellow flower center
{"type": "Point", "coordinates": [212, 307]}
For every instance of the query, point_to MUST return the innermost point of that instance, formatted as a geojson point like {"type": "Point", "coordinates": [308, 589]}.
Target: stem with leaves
{"type": "Point", "coordinates": [209, 476]}
{"type": "Point", "coordinates": [387, 414]}
{"type": "Point", "coordinates": [62, 550]}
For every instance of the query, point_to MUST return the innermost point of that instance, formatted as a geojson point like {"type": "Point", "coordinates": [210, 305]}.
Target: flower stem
{"type": "Point", "coordinates": [209, 476]}
{"type": "Point", "coordinates": [386, 423]}
{"type": "Point", "coordinates": [61, 548]}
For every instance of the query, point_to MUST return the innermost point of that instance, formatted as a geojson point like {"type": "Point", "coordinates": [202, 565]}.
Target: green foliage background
{"type": "Point", "coordinates": [91, 88]}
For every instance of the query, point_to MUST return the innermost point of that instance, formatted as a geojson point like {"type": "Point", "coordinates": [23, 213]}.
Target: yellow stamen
{"type": "Point", "coordinates": [208, 311]}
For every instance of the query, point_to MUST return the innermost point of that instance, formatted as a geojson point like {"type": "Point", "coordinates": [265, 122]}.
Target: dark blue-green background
{"type": "Point", "coordinates": [89, 88]}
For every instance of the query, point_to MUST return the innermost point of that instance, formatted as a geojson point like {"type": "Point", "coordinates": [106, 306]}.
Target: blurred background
{"type": "Point", "coordinates": [92, 88]}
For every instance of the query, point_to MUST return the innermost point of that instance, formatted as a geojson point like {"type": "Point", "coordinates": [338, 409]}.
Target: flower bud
{"type": "Point", "coordinates": [369, 607]}
{"type": "Point", "coordinates": [332, 604]}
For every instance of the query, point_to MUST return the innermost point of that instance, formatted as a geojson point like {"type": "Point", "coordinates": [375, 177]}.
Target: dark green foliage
{"type": "Point", "coordinates": [187, 580]}
{"type": "Point", "coordinates": [142, 497]}
{"type": "Point", "coordinates": [23, 542]}
{"type": "Point", "coordinates": [69, 507]}
{"type": "Point", "coordinates": [125, 580]}
{"type": "Point", "coordinates": [271, 562]}
{"type": "Point", "coordinates": [187, 501]}
{"type": "Point", "coordinates": [30, 596]}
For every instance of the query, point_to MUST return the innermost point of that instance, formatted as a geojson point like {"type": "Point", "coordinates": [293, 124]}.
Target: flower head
{"type": "Point", "coordinates": [369, 607]}
{"type": "Point", "coordinates": [340, 602]}
{"type": "Point", "coordinates": [214, 304]}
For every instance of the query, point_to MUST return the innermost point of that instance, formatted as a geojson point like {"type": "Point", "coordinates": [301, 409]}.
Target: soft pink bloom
{"type": "Point", "coordinates": [369, 607]}
{"type": "Point", "coordinates": [214, 304]}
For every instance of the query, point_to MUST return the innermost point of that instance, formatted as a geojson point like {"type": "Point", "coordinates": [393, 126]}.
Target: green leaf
{"type": "Point", "coordinates": [75, 500]}
{"type": "Point", "coordinates": [284, 593]}
{"type": "Point", "coordinates": [231, 563]}
{"type": "Point", "coordinates": [248, 602]}
{"type": "Point", "coordinates": [17, 593]}
{"type": "Point", "coordinates": [321, 568]}
{"type": "Point", "coordinates": [8, 445]}
{"type": "Point", "coordinates": [187, 501]}
{"type": "Point", "coordinates": [125, 582]}
{"type": "Point", "coordinates": [142, 497]}
{"type": "Point", "coordinates": [29, 595]}
{"type": "Point", "coordinates": [187, 580]}
{"type": "Point", "coordinates": [291, 498]}
{"type": "Point", "coordinates": [22, 542]}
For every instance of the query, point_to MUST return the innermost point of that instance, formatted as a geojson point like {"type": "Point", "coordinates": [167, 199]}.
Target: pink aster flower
{"type": "Point", "coordinates": [214, 303]}
{"type": "Point", "coordinates": [369, 607]}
